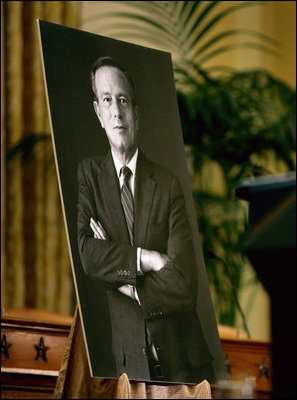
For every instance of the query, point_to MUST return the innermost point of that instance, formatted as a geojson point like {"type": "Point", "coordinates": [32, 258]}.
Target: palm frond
{"type": "Point", "coordinates": [129, 30]}
{"type": "Point", "coordinates": [225, 49]}
{"type": "Point", "coordinates": [197, 21]}
{"type": "Point", "coordinates": [180, 27]}
{"type": "Point", "coordinates": [198, 35]}
{"type": "Point", "coordinates": [197, 50]}
{"type": "Point", "coordinates": [157, 26]}
{"type": "Point", "coordinates": [189, 10]}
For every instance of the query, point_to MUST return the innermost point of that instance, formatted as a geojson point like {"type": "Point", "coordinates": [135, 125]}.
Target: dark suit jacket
{"type": "Point", "coordinates": [168, 296]}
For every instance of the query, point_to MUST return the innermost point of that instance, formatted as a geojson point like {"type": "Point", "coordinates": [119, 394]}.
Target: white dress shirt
{"type": "Point", "coordinates": [131, 165]}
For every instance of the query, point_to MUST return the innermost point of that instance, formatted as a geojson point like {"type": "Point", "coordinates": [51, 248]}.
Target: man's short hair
{"type": "Point", "coordinates": [108, 61]}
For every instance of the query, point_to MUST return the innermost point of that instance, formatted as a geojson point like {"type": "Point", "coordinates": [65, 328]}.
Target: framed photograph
{"type": "Point", "coordinates": [136, 256]}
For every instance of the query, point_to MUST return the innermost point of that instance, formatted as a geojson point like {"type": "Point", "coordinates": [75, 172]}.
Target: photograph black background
{"type": "Point", "coordinates": [67, 57]}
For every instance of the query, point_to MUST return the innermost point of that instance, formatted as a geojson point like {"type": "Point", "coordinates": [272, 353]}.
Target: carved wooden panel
{"type": "Point", "coordinates": [33, 344]}
{"type": "Point", "coordinates": [250, 359]}
{"type": "Point", "coordinates": [32, 347]}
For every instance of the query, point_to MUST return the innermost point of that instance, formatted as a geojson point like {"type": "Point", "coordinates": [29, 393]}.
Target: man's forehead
{"type": "Point", "coordinates": [110, 72]}
{"type": "Point", "coordinates": [111, 79]}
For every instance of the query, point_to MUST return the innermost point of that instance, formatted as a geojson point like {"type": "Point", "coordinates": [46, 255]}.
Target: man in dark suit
{"type": "Point", "coordinates": [134, 237]}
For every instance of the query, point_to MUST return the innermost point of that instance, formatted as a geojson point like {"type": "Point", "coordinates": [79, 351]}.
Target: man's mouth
{"type": "Point", "coordinates": [119, 127]}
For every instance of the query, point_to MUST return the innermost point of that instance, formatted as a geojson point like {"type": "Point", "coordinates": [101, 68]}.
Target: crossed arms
{"type": "Point", "coordinates": [169, 279]}
{"type": "Point", "coordinates": [149, 260]}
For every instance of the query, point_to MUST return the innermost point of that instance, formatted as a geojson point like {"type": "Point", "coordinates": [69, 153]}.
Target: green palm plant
{"type": "Point", "coordinates": [184, 28]}
{"type": "Point", "coordinates": [238, 120]}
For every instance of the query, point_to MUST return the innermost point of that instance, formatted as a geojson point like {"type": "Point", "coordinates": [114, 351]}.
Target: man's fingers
{"type": "Point", "coordinates": [96, 235]}
{"type": "Point", "coordinates": [128, 291]}
{"type": "Point", "coordinates": [97, 229]}
{"type": "Point", "coordinates": [125, 290]}
{"type": "Point", "coordinates": [94, 227]}
{"type": "Point", "coordinates": [100, 226]}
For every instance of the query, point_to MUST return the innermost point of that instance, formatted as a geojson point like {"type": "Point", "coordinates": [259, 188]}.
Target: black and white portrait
{"type": "Point", "coordinates": [136, 256]}
{"type": "Point", "coordinates": [135, 238]}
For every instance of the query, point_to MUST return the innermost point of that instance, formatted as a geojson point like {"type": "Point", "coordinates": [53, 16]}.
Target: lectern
{"type": "Point", "coordinates": [271, 248]}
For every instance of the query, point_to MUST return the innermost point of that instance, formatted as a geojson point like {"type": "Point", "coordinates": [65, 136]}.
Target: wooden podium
{"type": "Point", "coordinates": [271, 247]}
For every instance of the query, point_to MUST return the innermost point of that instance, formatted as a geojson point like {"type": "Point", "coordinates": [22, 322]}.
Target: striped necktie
{"type": "Point", "coordinates": [127, 202]}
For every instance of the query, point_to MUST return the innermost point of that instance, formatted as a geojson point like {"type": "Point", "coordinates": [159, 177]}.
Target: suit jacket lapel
{"type": "Point", "coordinates": [112, 200]}
{"type": "Point", "coordinates": [143, 198]}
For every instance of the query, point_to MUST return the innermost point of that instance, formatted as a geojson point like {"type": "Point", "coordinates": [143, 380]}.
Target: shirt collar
{"type": "Point", "coordinates": [132, 163]}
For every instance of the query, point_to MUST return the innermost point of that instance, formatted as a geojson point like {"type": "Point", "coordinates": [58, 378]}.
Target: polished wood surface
{"type": "Point", "coordinates": [24, 376]}
{"type": "Point", "coordinates": [32, 347]}
{"type": "Point", "coordinates": [249, 359]}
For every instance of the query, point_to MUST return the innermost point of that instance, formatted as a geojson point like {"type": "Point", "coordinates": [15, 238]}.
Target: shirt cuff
{"type": "Point", "coordinates": [139, 272]}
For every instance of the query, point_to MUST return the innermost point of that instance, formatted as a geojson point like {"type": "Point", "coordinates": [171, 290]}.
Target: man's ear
{"type": "Point", "coordinates": [136, 116]}
{"type": "Point", "coordinates": [97, 111]}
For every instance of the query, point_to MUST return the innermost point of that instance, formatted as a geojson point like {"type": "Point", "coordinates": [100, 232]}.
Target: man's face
{"type": "Point", "coordinates": [115, 109]}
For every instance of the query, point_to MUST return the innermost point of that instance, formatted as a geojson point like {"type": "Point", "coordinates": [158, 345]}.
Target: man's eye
{"type": "Point", "coordinates": [123, 100]}
{"type": "Point", "coordinates": [106, 100]}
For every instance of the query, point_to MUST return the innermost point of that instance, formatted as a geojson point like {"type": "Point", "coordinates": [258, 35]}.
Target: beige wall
{"type": "Point", "coordinates": [276, 19]}
{"type": "Point", "coordinates": [279, 21]}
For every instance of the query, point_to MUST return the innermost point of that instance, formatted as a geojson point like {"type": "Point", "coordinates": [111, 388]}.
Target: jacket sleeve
{"type": "Point", "coordinates": [173, 288]}
{"type": "Point", "coordinates": [110, 263]}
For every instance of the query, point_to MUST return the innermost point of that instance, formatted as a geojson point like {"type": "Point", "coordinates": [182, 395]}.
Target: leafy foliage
{"type": "Point", "coordinates": [244, 114]}
{"type": "Point", "coordinates": [235, 120]}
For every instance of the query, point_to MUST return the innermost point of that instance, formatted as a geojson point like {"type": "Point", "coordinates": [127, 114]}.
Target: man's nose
{"type": "Point", "coordinates": [116, 109]}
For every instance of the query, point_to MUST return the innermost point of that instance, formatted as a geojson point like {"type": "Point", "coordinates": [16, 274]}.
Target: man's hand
{"type": "Point", "coordinates": [129, 291]}
{"type": "Point", "coordinates": [99, 232]}
{"type": "Point", "coordinates": [151, 260]}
